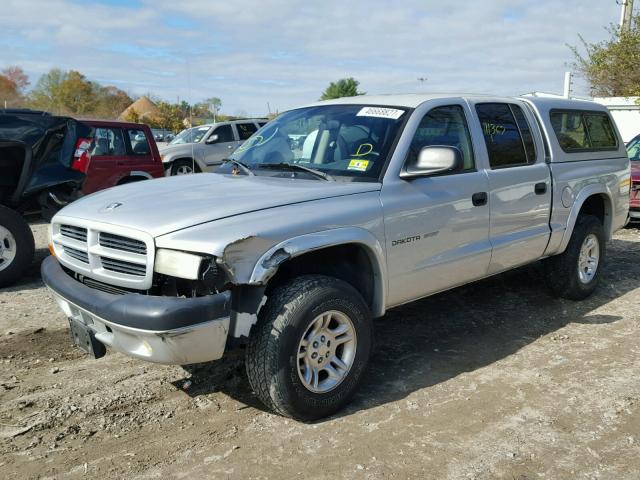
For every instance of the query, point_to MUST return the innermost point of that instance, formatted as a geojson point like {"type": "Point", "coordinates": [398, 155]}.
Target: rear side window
{"type": "Point", "coordinates": [506, 134]}
{"type": "Point", "coordinates": [107, 142]}
{"type": "Point", "coordinates": [138, 142]}
{"type": "Point", "coordinates": [583, 130]}
{"type": "Point", "coordinates": [245, 130]}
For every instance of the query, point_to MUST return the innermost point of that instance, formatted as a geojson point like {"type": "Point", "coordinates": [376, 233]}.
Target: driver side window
{"type": "Point", "coordinates": [444, 126]}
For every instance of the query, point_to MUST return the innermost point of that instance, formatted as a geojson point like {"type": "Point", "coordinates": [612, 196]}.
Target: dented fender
{"type": "Point", "coordinates": [267, 265]}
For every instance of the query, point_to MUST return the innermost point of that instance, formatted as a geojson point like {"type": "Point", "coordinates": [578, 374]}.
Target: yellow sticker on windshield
{"type": "Point", "coordinates": [359, 165]}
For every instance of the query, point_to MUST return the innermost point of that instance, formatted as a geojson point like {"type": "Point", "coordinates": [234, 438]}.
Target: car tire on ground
{"type": "Point", "coordinates": [575, 273]}
{"type": "Point", "coordinates": [16, 246]}
{"type": "Point", "coordinates": [183, 167]}
{"type": "Point", "coordinates": [310, 347]}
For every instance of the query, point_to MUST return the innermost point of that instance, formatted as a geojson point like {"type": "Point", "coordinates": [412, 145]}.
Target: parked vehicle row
{"type": "Point", "coordinates": [47, 161]}
{"type": "Point", "coordinates": [633, 150]}
{"type": "Point", "coordinates": [203, 148]}
{"type": "Point", "coordinates": [329, 216]}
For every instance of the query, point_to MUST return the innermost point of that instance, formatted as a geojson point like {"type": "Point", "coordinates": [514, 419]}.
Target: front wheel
{"type": "Point", "coordinates": [310, 347]}
{"type": "Point", "coordinates": [183, 167]}
{"type": "Point", "coordinates": [16, 246]}
{"type": "Point", "coordinates": [575, 273]}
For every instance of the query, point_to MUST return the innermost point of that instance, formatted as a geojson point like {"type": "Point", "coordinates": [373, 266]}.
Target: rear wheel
{"type": "Point", "coordinates": [575, 273]}
{"type": "Point", "coordinates": [182, 167]}
{"type": "Point", "coordinates": [16, 246]}
{"type": "Point", "coordinates": [310, 347]}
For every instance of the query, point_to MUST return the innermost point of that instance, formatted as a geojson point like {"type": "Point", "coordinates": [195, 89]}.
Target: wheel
{"type": "Point", "coordinates": [574, 274]}
{"type": "Point", "coordinates": [16, 246]}
{"type": "Point", "coordinates": [182, 167]}
{"type": "Point", "coordinates": [310, 347]}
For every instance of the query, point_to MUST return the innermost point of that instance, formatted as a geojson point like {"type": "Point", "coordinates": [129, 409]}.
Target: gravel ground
{"type": "Point", "coordinates": [498, 380]}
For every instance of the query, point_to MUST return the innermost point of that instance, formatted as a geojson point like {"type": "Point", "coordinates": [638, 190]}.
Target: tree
{"type": "Point", "coordinates": [611, 66]}
{"type": "Point", "coordinates": [345, 87]}
{"type": "Point", "coordinates": [111, 101]}
{"type": "Point", "coordinates": [46, 94]}
{"type": "Point", "coordinates": [132, 116]}
{"type": "Point", "coordinates": [15, 74]}
{"type": "Point", "coordinates": [9, 94]}
{"type": "Point", "coordinates": [169, 117]}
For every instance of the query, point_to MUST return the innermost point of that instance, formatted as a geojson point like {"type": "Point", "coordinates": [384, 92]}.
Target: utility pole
{"type": "Point", "coordinates": [626, 14]}
{"type": "Point", "coordinates": [567, 84]}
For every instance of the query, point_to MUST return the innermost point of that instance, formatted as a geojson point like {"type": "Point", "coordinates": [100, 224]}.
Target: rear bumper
{"type": "Point", "coordinates": [157, 329]}
{"type": "Point", "coordinates": [634, 214]}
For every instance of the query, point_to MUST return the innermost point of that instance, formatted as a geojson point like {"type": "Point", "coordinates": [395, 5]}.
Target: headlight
{"type": "Point", "coordinates": [178, 264]}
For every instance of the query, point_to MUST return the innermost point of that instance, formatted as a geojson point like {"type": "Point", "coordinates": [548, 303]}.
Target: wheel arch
{"type": "Point", "coordinates": [594, 200]}
{"type": "Point", "coordinates": [358, 259]}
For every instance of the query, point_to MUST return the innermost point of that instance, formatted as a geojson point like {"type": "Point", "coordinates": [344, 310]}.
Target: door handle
{"type": "Point", "coordinates": [479, 199]}
{"type": "Point", "coordinates": [541, 188]}
{"type": "Point", "coordinates": [229, 146]}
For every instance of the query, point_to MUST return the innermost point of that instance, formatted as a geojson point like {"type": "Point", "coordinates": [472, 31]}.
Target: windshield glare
{"type": "Point", "coordinates": [350, 141]}
{"type": "Point", "coordinates": [190, 135]}
{"type": "Point", "coordinates": [633, 149]}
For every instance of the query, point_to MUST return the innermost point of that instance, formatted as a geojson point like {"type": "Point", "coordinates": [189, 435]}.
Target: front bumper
{"type": "Point", "coordinates": [167, 330]}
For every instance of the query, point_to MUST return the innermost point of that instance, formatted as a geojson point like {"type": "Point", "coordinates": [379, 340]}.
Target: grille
{"type": "Point", "coordinates": [77, 233]}
{"type": "Point", "coordinates": [103, 287]}
{"type": "Point", "coordinates": [119, 259]}
{"type": "Point", "coordinates": [122, 266]}
{"type": "Point", "coordinates": [117, 242]}
{"type": "Point", "coordinates": [77, 254]}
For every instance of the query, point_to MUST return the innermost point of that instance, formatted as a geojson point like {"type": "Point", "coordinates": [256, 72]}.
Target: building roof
{"type": "Point", "coordinates": [143, 106]}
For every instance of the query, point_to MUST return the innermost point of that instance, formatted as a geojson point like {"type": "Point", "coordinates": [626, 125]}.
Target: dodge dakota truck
{"type": "Point", "coordinates": [327, 217]}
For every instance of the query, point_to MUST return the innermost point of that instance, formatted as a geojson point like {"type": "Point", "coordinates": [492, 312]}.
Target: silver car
{"type": "Point", "coordinates": [202, 148]}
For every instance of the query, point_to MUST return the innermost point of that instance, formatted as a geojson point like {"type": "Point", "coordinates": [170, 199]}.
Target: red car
{"type": "Point", "coordinates": [116, 153]}
{"type": "Point", "coordinates": [633, 149]}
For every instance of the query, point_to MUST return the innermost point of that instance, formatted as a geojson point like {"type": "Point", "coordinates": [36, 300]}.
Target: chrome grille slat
{"type": "Point", "coordinates": [77, 233]}
{"type": "Point", "coordinates": [103, 287]}
{"type": "Point", "coordinates": [77, 254]}
{"type": "Point", "coordinates": [117, 242]}
{"type": "Point", "coordinates": [121, 266]}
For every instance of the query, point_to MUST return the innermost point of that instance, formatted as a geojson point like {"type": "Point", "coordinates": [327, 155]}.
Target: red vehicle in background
{"type": "Point", "coordinates": [633, 149]}
{"type": "Point", "coordinates": [116, 153]}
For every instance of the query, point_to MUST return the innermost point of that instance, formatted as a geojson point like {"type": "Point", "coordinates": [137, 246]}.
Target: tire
{"type": "Point", "coordinates": [183, 167]}
{"type": "Point", "coordinates": [563, 272]}
{"type": "Point", "coordinates": [16, 246]}
{"type": "Point", "coordinates": [274, 367]}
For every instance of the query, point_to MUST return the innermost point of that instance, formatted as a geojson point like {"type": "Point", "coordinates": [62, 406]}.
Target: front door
{"type": "Point", "coordinates": [520, 186]}
{"type": "Point", "coordinates": [220, 143]}
{"type": "Point", "coordinates": [437, 227]}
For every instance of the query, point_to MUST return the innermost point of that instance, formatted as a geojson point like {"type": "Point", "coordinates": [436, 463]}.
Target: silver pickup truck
{"type": "Point", "coordinates": [327, 217]}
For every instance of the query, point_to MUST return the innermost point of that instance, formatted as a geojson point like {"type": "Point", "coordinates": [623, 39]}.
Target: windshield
{"type": "Point", "coordinates": [348, 141]}
{"type": "Point", "coordinates": [191, 135]}
{"type": "Point", "coordinates": [633, 149]}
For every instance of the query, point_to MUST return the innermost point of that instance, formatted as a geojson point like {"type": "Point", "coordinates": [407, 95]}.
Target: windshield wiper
{"type": "Point", "coordinates": [295, 166]}
{"type": "Point", "coordinates": [242, 166]}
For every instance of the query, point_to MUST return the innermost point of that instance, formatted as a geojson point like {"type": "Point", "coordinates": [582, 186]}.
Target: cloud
{"type": "Point", "coordinates": [285, 52]}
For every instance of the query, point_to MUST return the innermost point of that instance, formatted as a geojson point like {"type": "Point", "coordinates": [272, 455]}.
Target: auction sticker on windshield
{"type": "Point", "coordinates": [380, 112]}
{"type": "Point", "coordinates": [359, 165]}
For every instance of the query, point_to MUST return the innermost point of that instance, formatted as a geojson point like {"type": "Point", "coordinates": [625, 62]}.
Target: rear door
{"type": "Point", "coordinates": [108, 153]}
{"type": "Point", "coordinates": [519, 185]}
{"type": "Point", "coordinates": [140, 161]}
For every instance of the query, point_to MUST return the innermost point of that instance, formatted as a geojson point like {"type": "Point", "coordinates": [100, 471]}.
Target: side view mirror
{"type": "Point", "coordinates": [432, 160]}
{"type": "Point", "coordinates": [212, 138]}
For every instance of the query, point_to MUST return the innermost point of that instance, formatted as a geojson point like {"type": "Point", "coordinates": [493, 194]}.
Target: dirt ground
{"type": "Point", "coordinates": [497, 380]}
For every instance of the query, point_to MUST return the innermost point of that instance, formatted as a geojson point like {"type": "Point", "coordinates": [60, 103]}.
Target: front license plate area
{"type": "Point", "coordinates": [84, 338]}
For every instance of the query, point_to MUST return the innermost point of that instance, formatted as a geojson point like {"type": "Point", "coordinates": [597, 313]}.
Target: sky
{"type": "Point", "coordinates": [261, 55]}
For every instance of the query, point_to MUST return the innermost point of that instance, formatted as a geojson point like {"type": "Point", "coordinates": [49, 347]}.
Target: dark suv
{"type": "Point", "coordinates": [38, 174]}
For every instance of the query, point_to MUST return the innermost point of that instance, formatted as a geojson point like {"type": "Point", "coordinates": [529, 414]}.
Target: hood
{"type": "Point", "coordinates": [635, 170]}
{"type": "Point", "coordinates": [168, 204]}
{"type": "Point", "coordinates": [180, 147]}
